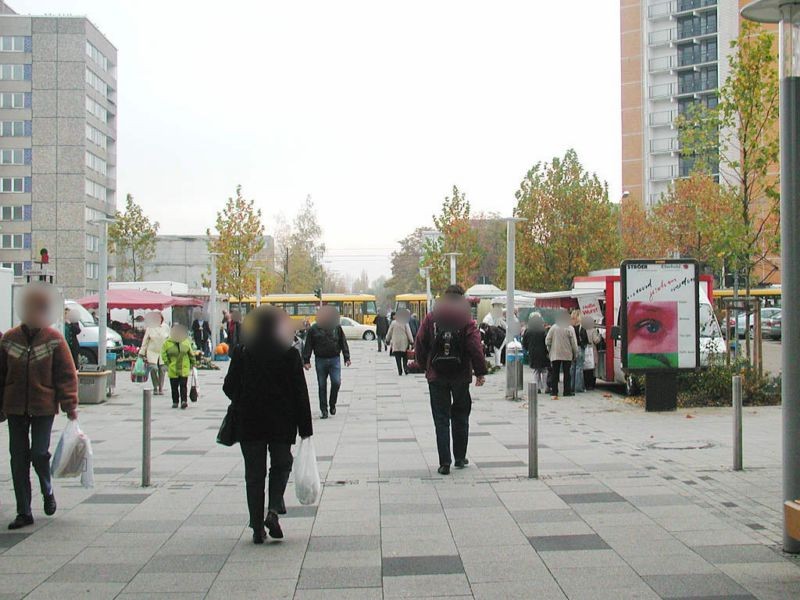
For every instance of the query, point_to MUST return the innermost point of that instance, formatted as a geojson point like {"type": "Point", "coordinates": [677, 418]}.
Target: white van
{"type": "Point", "coordinates": [90, 331]}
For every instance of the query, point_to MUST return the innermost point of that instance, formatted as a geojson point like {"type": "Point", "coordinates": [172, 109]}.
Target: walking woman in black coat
{"type": "Point", "coordinates": [267, 387]}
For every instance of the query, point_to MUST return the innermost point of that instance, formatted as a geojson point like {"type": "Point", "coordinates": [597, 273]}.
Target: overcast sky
{"type": "Point", "coordinates": [374, 108]}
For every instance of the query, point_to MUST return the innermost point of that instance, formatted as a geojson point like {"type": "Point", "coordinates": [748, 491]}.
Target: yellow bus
{"type": "Point", "coordinates": [770, 296]}
{"type": "Point", "coordinates": [416, 303]}
{"type": "Point", "coordinates": [359, 307]}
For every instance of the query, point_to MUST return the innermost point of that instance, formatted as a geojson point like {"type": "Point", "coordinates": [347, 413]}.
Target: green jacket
{"type": "Point", "coordinates": [179, 358]}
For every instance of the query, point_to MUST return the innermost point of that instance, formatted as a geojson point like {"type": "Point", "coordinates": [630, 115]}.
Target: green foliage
{"type": "Point", "coordinates": [712, 386]}
{"type": "Point", "coordinates": [300, 254]}
{"type": "Point", "coordinates": [132, 237]}
{"type": "Point", "coordinates": [405, 277]}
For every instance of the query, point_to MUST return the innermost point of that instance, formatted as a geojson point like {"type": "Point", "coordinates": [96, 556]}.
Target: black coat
{"type": "Point", "coordinates": [268, 389]}
{"type": "Point", "coordinates": [381, 325]}
{"type": "Point", "coordinates": [202, 334]}
{"type": "Point", "coordinates": [325, 343]}
{"type": "Point", "coordinates": [534, 343]}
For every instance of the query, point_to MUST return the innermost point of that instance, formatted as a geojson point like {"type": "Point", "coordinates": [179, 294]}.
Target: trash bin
{"type": "Point", "coordinates": [600, 367]}
{"type": "Point", "coordinates": [111, 365]}
{"type": "Point", "coordinates": [513, 369]}
{"type": "Point", "coordinates": [92, 386]}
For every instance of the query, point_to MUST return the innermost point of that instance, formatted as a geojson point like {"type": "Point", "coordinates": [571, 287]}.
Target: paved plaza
{"type": "Point", "coordinates": [629, 505]}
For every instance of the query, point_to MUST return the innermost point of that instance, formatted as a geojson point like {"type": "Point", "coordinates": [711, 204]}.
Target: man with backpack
{"type": "Point", "coordinates": [326, 340]}
{"type": "Point", "coordinates": [448, 346]}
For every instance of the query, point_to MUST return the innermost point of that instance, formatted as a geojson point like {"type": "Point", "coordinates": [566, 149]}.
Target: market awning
{"type": "Point", "coordinates": [138, 299]}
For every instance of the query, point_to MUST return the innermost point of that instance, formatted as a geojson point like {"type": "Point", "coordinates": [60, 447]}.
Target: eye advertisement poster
{"type": "Point", "coordinates": [660, 315]}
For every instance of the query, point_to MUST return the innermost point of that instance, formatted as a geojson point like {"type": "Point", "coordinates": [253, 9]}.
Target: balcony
{"type": "Point", "coordinates": [663, 118]}
{"type": "Point", "coordinates": [666, 145]}
{"type": "Point", "coordinates": [655, 199]}
{"type": "Point", "coordinates": [662, 37]}
{"type": "Point", "coordinates": [695, 60]}
{"type": "Point", "coordinates": [662, 64]}
{"type": "Point", "coordinates": [695, 31]}
{"type": "Point", "coordinates": [663, 91]}
{"type": "Point", "coordinates": [685, 6]}
{"type": "Point", "coordinates": [696, 87]}
{"type": "Point", "coordinates": [664, 173]}
{"type": "Point", "coordinates": [662, 10]}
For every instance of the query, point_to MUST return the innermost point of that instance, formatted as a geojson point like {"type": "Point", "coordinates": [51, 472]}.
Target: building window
{"type": "Point", "coordinates": [12, 129]}
{"type": "Point", "coordinates": [97, 137]}
{"type": "Point", "coordinates": [14, 156]}
{"type": "Point", "coordinates": [12, 185]}
{"type": "Point", "coordinates": [96, 109]}
{"type": "Point", "coordinates": [92, 243]}
{"type": "Point", "coordinates": [12, 43]}
{"type": "Point", "coordinates": [12, 100]}
{"type": "Point", "coordinates": [92, 270]}
{"type": "Point", "coordinates": [96, 82]}
{"type": "Point", "coordinates": [12, 241]}
{"type": "Point", "coordinates": [12, 213]}
{"type": "Point", "coordinates": [95, 190]}
{"type": "Point", "coordinates": [92, 214]}
{"type": "Point", "coordinates": [12, 72]}
{"type": "Point", "coordinates": [97, 56]}
{"type": "Point", "coordinates": [95, 163]}
{"type": "Point", "coordinates": [18, 267]}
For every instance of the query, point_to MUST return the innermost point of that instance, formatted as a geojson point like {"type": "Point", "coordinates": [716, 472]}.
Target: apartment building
{"type": "Point", "coordinates": [58, 94]}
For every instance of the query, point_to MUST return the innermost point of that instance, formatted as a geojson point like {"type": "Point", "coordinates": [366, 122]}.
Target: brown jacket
{"type": "Point", "coordinates": [37, 373]}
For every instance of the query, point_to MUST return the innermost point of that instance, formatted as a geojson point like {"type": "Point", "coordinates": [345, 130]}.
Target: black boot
{"type": "Point", "coordinates": [259, 536]}
{"type": "Point", "coordinates": [50, 504]}
{"type": "Point", "coordinates": [21, 521]}
{"type": "Point", "coordinates": [273, 525]}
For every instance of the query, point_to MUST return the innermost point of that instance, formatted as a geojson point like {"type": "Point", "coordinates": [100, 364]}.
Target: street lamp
{"type": "Point", "coordinates": [452, 256]}
{"type": "Point", "coordinates": [426, 273]}
{"type": "Point", "coordinates": [787, 14]}
{"type": "Point", "coordinates": [212, 301]}
{"type": "Point", "coordinates": [102, 301]}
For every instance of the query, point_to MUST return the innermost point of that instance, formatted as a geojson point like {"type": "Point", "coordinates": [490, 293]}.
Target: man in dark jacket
{"type": "Point", "coordinates": [326, 341]}
{"type": "Point", "coordinates": [201, 333]}
{"type": "Point", "coordinates": [448, 345]}
{"type": "Point", "coordinates": [381, 329]}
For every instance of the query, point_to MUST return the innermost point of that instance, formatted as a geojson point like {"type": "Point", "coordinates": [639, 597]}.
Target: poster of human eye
{"type": "Point", "coordinates": [660, 312]}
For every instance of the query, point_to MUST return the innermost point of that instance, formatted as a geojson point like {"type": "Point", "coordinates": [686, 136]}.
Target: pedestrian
{"type": "Point", "coordinates": [448, 345]}
{"type": "Point", "coordinates": [534, 343]}
{"type": "Point", "coordinates": [381, 329]}
{"type": "Point", "coordinates": [178, 356]}
{"type": "Point", "coordinates": [562, 347]}
{"type": "Point", "coordinates": [326, 340]}
{"type": "Point", "coordinates": [401, 340]}
{"type": "Point", "coordinates": [590, 353]}
{"type": "Point", "coordinates": [413, 323]}
{"type": "Point", "coordinates": [72, 329]}
{"type": "Point", "coordinates": [155, 334]}
{"type": "Point", "coordinates": [267, 387]}
{"type": "Point", "coordinates": [201, 333]}
{"type": "Point", "coordinates": [583, 341]}
{"type": "Point", "coordinates": [37, 377]}
{"type": "Point", "coordinates": [234, 330]}
{"type": "Point", "coordinates": [495, 326]}
{"type": "Point", "coordinates": [223, 328]}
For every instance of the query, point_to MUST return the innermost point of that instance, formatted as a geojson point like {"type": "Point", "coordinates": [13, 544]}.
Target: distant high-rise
{"type": "Point", "coordinates": [58, 94]}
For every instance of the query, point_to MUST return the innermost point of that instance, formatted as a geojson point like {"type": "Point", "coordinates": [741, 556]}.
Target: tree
{"type": "Point", "coordinates": [239, 239]}
{"type": "Point", "coordinates": [406, 263]}
{"type": "Point", "coordinates": [300, 253]}
{"type": "Point", "coordinates": [570, 228]}
{"type": "Point", "coordinates": [132, 239]}
{"type": "Point", "coordinates": [457, 235]}
{"type": "Point", "coordinates": [361, 284]}
{"type": "Point", "coordinates": [491, 235]}
{"type": "Point", "coordinates": [741, 136]}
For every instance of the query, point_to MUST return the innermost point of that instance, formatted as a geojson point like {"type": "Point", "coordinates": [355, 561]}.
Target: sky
{"type": "Point", "coordinates": [375, 109]}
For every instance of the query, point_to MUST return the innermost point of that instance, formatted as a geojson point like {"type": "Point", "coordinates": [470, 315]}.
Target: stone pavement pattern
{"type": "Point", "coordinates": [613, 516]}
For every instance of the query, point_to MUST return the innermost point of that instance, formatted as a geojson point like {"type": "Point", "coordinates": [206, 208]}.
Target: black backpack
{"type": "Point", "coordinates": [448, 348]}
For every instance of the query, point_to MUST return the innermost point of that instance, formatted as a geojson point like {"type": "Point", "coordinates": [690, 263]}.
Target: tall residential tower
{"type": "Point", "coordinates": [58, 94]}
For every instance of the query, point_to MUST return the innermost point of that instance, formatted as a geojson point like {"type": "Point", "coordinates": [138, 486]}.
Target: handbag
{"type": "Point", "coordinates": [193, 392]}
{"type": "Point", "coordinates": [227, 434]}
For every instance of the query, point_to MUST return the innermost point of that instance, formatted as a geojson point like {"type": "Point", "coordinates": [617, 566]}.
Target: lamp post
{"type": "Point", "coordinates": [511, 284]}
{"type": "Point", "coordinates": [102, 301]}
{"type": "Point", "coordinates": [426, 273]}
{"type": "Point", "coordinates": [452, 256]}
{"type": "Point", "coordinates": [787, 14]}
{"type": "Point", "coordinates": [258, 286]}
{"type": "Point", "coordinates": [212, 301]}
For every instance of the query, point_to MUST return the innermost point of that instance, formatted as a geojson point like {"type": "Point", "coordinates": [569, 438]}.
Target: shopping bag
{"type": "Point", "coordinates": [193, 384]}
{"type": "Point", "coordinates": [306, 476]}
{"type": "Point", "coordinates": [73, 456]}
{"type": "Point", "coordinates": [227, 430]}
{"type": "Point", "coordinates": [139, 371]}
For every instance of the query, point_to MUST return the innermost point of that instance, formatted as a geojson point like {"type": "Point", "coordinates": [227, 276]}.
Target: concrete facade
{"type": "Point", "coordinates": [57, 144]}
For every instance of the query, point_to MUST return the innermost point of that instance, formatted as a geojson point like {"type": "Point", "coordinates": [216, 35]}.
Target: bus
{"type": "Point", "coordinates": [361, 308]}
{"type": "Point", "coordinates": [770, 296]}
{"type": "Point", "coordinates": [418, 304]}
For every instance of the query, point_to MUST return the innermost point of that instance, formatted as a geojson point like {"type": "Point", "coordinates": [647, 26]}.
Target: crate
{"type": "Point", "coordinates": [92, 386]}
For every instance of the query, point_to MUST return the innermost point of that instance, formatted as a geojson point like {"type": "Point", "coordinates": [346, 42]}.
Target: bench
{"type": "Point", "coordinates": [791, 515]}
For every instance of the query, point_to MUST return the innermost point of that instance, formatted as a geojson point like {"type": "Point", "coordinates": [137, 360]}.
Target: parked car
{"type": "Point", "coordinates": [771, 326]}
{"type": "Point", "coordinates": [90, 331]}
{"type": "Point", "coordinates": [740, 322]}
{"type": "Point", "coordinates": [357, 331]}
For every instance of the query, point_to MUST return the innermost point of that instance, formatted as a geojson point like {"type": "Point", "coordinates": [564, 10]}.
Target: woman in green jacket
{"type": "Point", "coordinates": [178, 356]}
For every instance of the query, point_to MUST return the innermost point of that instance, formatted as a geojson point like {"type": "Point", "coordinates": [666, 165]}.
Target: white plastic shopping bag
{"type": "Point", "coordinates": [73, 456]}
{"type": "Point", "coordinates": [306, 476]}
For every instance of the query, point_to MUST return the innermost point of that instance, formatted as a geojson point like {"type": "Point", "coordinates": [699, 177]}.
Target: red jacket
{"type": "Point", "coordinates": [458, 315]}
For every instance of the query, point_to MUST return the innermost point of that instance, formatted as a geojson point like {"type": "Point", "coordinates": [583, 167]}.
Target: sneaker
{"type": "Point", "coordinates": [21, 521]}
{"type": "Point", "coordinates": [273, 525]}
{"type": "Point", "coordinates": [444, 470]}
{"type": "Point", "coordinates": [174, 405]}
{"type": "Point", "coordinates": [50, 504]}
{"type": "Point", "coordinates": [333, 409]}
{"type": "Point", "coordinates": [184, 405]}
{"type": "Point", "coordinates": [461, 463]}
{"type": "Point", "coordinates": [259, 536]}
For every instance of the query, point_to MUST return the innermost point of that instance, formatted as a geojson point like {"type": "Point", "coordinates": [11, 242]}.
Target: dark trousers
{"type": "Point", "coordinates": [29, 443]}
{"type": "Point", "coordinates": [382, 343]}
{"type": "Point", "coordinates": [328, 367]}
{"type": "Point", "coordinates": [402, 362]}
{"type": "Point", "coordinates": [178, 387]}
{"type": "Point", "coordinates": [255, 475]}
{"type": "Point", "coordinates": [589, 379]}
{"type": "Point", "coordinates": [558, 367]}
{"type": "Point", "coordinates": [450, 403]}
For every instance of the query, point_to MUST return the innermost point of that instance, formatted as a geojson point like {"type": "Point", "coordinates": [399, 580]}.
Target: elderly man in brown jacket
{"type": "Point", "coordinates": [562, 345]}
{"type": "Point", "coordinates": [37, 376]}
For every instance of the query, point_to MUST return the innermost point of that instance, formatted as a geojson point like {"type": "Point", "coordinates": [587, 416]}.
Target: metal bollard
{"type": "Point", "coordinates": [737, 422]}
{"type": "Point", "coordinates": [147, 397]}
{"type": "Point", "coordinates": [533, 431]}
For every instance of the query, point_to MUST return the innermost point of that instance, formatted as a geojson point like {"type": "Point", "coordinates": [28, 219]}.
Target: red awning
{"type": "Point", "coordinates": [138, 299]}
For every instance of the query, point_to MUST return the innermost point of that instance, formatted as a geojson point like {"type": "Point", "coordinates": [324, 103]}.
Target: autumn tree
{"type": "Point", "coordinates": [570, 225]}
{"type": "Point", "coordinates": [491, 238]}
{"type": "Point", "coordinates": [238, 241]}
{"type": "Point", "coordinates": [740, 135]}
{"type": "Point", "coordinates": [132, 238]}
{"type": "Point", "coordinates": [406, 262]}
{"type": "Point", "coordinates": [300, 252]}
{"type": "Point", "coordinates": [457, 235]}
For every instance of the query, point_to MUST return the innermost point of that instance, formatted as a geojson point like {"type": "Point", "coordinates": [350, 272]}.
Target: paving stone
{"type": "Point", "coordinates": [116, 498]}
{"type": "Point", "coordinates": [568, 542]}
{"type": "Point", "coordinates": [422, 565]}
{"type": "Point", "coordinates": [339, 577]}
{"type": "Point", "coordinates": [693, 586]}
